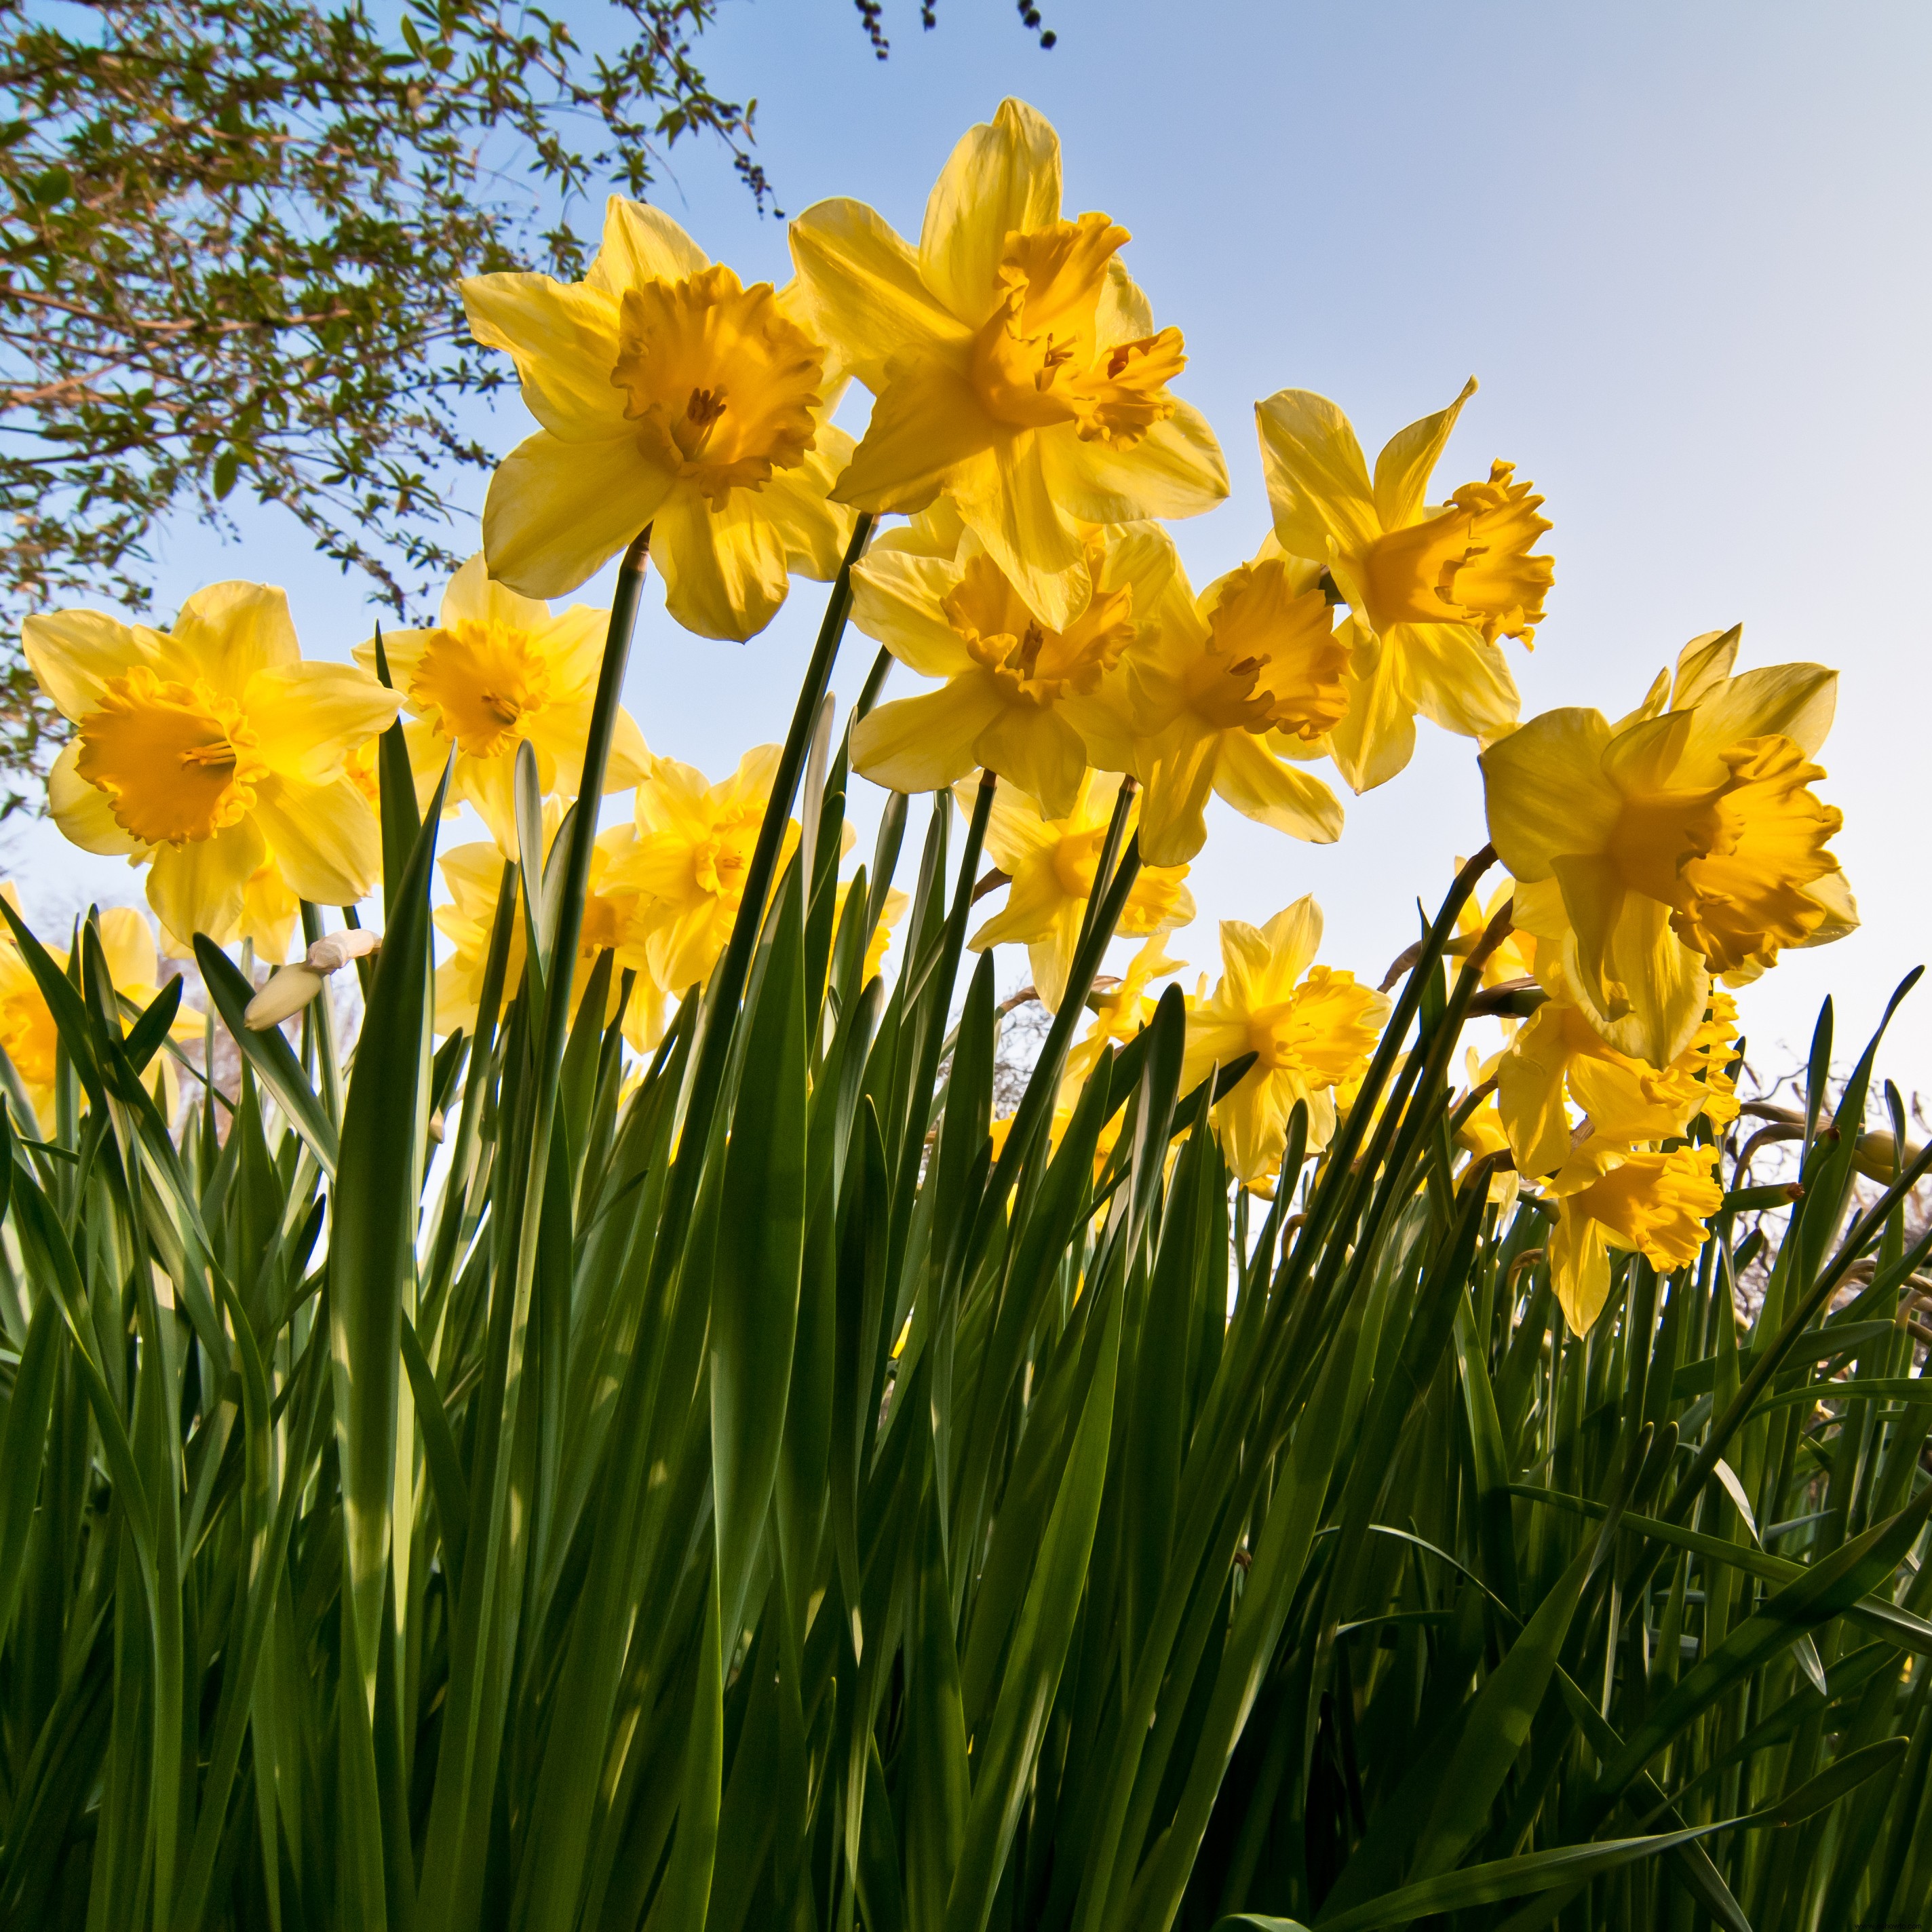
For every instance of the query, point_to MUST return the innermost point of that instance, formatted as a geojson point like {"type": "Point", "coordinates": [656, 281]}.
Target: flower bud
{"type": "Point", "coordinates": [283, 997]}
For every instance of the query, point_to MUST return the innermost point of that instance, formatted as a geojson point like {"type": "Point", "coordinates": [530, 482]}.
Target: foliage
{"type": "Point", "coordinates": [737, 1497]}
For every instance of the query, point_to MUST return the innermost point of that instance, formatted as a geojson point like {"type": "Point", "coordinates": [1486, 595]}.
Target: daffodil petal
{"type": "Point", "coordinates": [1258, 785]}
{"type": "Point", "coordinates": [1833, 891]}
{"type": "Point", "coordinates": [1375, 737]}
{"type": "Point", "coordinates": [1794, 700]}
{"type": "Point", "coordinates": [1002, 177]}
{"type": "Point", "coordinates": [1174, 824]}
{"type": "Point", "coordinates": [557, 512]}
{"type": "Point", "coordinates": [924, 743]}
{"type": "Point", "coordinates": [1292, 938]}
{"type": "Point", "coordinates": [74, 653]}
{"type": "Point", "coordinates": [402, 652]}
{"type": "Point", "coordinates": [1317, 480]}
{"type": "Point", "coordinates": [641, 244]}
{"type": "Point", "coordinates": [1579, 1267]}
{"type": "Point", "coordinates": [1545, 790]}
{"type": "Point", "coordinates": [1458, 681]}
{"type": "Point", "coordinates": [898, 598]}
{"type": "Point", "coordinates": [81, 811]}
{"type": "Point", "coordinates": [1403, 469]}
{"type": "Point", "coordinates": [814, 530]}
{"type": "Point", "coordinates": [864, 291]}
{"type": "Point", "coordinates": [1529, 1090]}
{"type": "Point", "coordinates": [197, 887]}
{"type": "Point", "coordinates": [1050, 959]}
{"type": "Point", "coordinates": [325, 838]}
{"type": "Point", "coordinates": [128, 944]}
{"type": "Point", "coordinates": [1009, 504]}
{"type": "Point", "coordinates": [723, 570]}
{"type": "Point", "coordinates": [308, 717]}
{"type": "Point", "coordinates": [1176, 469]}
{"type": "Point", "coordinates": [563, 337]}
{"type": "Point", "coordinates": [1703, 665]}
{"type": "Point", "coordinates": [1039, 750]}
{"type": "Point", "coordinates": [474, 594]}
{"type": "Point", "coordinates": [927, 424]}
{"type": "Point", "coordinates": [229, 633]}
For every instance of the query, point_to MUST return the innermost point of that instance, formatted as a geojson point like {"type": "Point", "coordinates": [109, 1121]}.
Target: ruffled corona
{"type": "Point", "coordinates": [1654, 1203]}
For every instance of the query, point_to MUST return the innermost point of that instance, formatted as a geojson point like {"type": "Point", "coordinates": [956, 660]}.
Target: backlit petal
{"type": "Point", "coordinates": [864, 291]}
{"type": "Point", "coordinates": [563, 338]}
{"type": "Point", "coordinates": [197, 887]}
{"type": "Point", "coordinates": [309, 717]}
{"type": "Point", "coordinates": [1546, 792]}
{"type": "Point", "coordinates": [922, 743]}
{"type": "Point", "coordinates": [1176, 469]}
{"type": "Point", "coordinates": [814, 530]}
{"type": "Point", "coordinates": [1294, 936]}
{"type": "Point", "coordinates": [927, 425]}
{"type": "Point", "coordinates": [1318, 481]}
{"type": "Point", "coordinates": [1039, 750]}
{"type": "Point", "coordinates": [1458, 681]}
{"type": "Point", "coordinates": [1403, 469]}
{"type": "Point", "coordinates": [897, 597]}
{"type": "Point", "coordinates": [723, 570]}
{"type": "Point", "coordinates": [73, 653]}
{"type": "Point", "coordinates": [1002, 177]}
{"type": "Point", "coordinates": [228, 632]}
{"type": "Point", "coordinates": [1793, 700]}
{"type": "Point", "coordinates": [325, 838]}
{"type": "Point", "coordinates": [557, 512]}
{"type": "Point", "coordinates": [1010, 505]}
{"type": "Point", "coordinates": [1174, 825]}
{"type": "Point", "coordinates": [641, 244]}
{"type": "Point", "coordinates": [1258, 785]}
{"type": "Point", "coordinates": [1375, 738]}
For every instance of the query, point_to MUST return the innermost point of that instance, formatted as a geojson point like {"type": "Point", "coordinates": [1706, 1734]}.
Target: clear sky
{"type": "Point", "coordinates": [1683, 248]}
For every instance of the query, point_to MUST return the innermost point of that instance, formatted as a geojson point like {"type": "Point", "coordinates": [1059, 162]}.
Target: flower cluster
{"type": "Point", "coordinates": [1026, 424]}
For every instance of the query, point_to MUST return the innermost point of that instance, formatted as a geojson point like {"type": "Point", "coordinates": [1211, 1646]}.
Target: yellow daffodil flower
{"type": "Point", "coordinates": [1018, 692]}
{"type": "Point", "coordinates": [1638, 1200]}
{"type": "Point", "coordinates": [207, 747]}
{"type": "Point", "coordinates": [1312, 1028]}
{"type": "Point", "coordinates": [1051, 862]}
{"type": "Point", "coordinates": [270, 914]}
{"type": "Point", "coordinates": [498, 669]}
{"type": "Point", "coordinates": [473, 875]}
{"type": "Point", "coordinates": [671, 395]}
{"type": "Point", "coordinates": [1120, 1013]}
{"type": "Point", "coordinates": [1482, 1133]}
{"type": "Point", "coordinates": [1017, 368]}
{"type": "Point", "coordinates": [1557, 1052]}
{"type": "Point", "coordinates": [1230, 691]}
{"type": "Point", "coordinates": [880, 942]}
{"type": "Point", "coordinates": [692, 847]}
{"type": "Point", "coordinates": [1683, 842]}
{"type": "Point", "coordinates": [27, 1029]}
{"type": "Point", "coordinates": [1430, 588]}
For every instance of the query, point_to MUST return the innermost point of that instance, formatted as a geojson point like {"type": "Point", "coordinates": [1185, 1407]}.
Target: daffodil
{"type": "Point", "coordinates": [27, 1030]}
{"type": "Point", "coordinates": [500, 669]}
{"type": "Point", "coordinates": [1018, 692]}
{"type": "Point", "coordinates": [1682, 842]}
{"type": "Point", "coordinates": [1430, 587]}
{"type": "Point", "coordinates": [880, 943]}
{"type": "Point", "coordinates": [474, 874]}
{"type": "Point", "coordinates": [270, 913]}
{"type": "Point", "coordinates": [1514, 959]}
{"type": "Point", "coordinates": [1231, 691]}
{"type": "Point", "coordinates": [1557, 1054]}
{"type": "Point", "coordinates": [1051, 863]}
{"type": "Point", "coordinates": [670, 396]}
{"type": "Point", "coordinates": [1311, 1028]}
{"type": "Point", "coordinates": [1641, 1200]}
{"type": "Point", "coordinates": [691, 848]}
{"type": "Point", "coordinates": [207, 747]}
{"type": "Point", "coordinates": [1120, 1012]}
{"type": "Point", "coordinates": [1017, 368]}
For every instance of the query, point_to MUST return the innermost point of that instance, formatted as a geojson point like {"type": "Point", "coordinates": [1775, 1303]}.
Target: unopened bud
{"type": "Point", "coordinates": [436, 1128]}
{"type": "Point", "coordinates": [334, 950]}
{"type": "Point", "coordinates": [283, 997]}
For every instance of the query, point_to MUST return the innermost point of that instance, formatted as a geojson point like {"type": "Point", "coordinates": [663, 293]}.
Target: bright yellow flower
{"type": "Point", "coordinates": [1019, 693]}
{"type": "Point", "coordinates": [669, 395]}
{"type": "Point", "coordinates": [1017, 368]}
{"type": "Point", "coordinates": [206, 748]}
{"type": "Point", "coordinates": [474, 875]}
{"type": "Point", "coordinates": [1313, 1029]}
{"type": "Point", "coordinates": [1607, 1196]}
{"type": "Point", "coordinates": [880, 942]}
{"type": "Point", "coordinates": [1677, 844]}
{"type": "Point", "coordinates": [27, 1029]}
{"type": "Point", "coordinates": [1119, 1013]}
{"type": "Point", "coordinates": [270, 914]}
{"type": "Point", "coordinates": [497, 670]}
{"type": "Point", "coordinates": [1231, 691]}
{"type": "Point", "coordinates": [1430, 587]}
{"type": "Point", "coordinates": [1051, 862]}
{"type": "Point", "coordinates": [687, 861]}
{"type": "Point", "coordinates": [1557, 1052]}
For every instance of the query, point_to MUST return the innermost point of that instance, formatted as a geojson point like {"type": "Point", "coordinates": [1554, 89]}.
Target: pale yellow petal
{"type": "Point", "coordinates": [1317, 480]}
{"type": "Point", "coordinates": [1260, 786]}
{"type": "Point", "coordinates": [474, 594]}
{"type": "Point", "coordinates": [723, 570]}
{"type": "Point", "coordinates": [81, 811]}
{"type": "Point", "coordinates": [228, 633]}
{"type": "Point", "coordinates": [1645, 990]}
{"type": "Point", "coordinates": [1703, 665]}
{"type": "Point", "coordinates": [1008, 503]}
{"type": "Point", "coordinates": [1833, 892]}
{"type": "Point", "coordinates": [898, 599]}
{"type": "Point", "coordinates": [814, 530]}
{"type": "Point", "coordinates": [402, 652]}
{"type": "Point", "coordinates": [1794, 700]}
{"type": "Point", "coordinates": [557, 512]}
{"type": "Point", "coordinates": [641, 244]}
{"type": "Point", "coordinates": [928, 426]}
{"type": "Point", "coordinates": [1002, 177]}
{"type": "Point", "coordinates": [1579, 1267]}
{"type": "Point", "coordinates": [1294, 936]}
{"type": "Point", "coordinates": [1529, 1090]}
{"type": "Point", "coordinates": [1375, 738]}
{"type": "Point", "coordinates": [923, 743]}
{"type": "Point", "coordinates": [1039, 750]}
{"type": "Point", "coordinates": [1050, 960]}
{"type": "Point", "coordinates": [74, 653]}
{"type": "Point", "coordinates": [325, 838]}
{"type": "Point", "coordinates": [1403, 469]}
{"type": "Point", "coordinates": [128, 944]}
{"type": "Point", "coordinates": [1458, 681]}
{"type": "Point", "coordinates": [197, 887]}
{"type": "Point", "coordinates": [1176, 469]}
{"type": "Point", "coordinates": [308, 717]}
{"type": "Point", "coordinates": [1545, 790]}
{"type": "Point", "coordinates": [563, 338]}
{"type": "Point", "coordinates": [864, 291]}
{"type": "Point", "coordinates": [1174, 825]}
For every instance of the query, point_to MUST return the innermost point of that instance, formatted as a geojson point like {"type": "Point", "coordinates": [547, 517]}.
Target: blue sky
{"type": "Point", "coordinates": [1684, 248]}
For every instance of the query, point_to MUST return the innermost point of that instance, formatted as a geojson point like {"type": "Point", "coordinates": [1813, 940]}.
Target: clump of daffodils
{"type": "Point", "coordinates": [1029, 431]}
